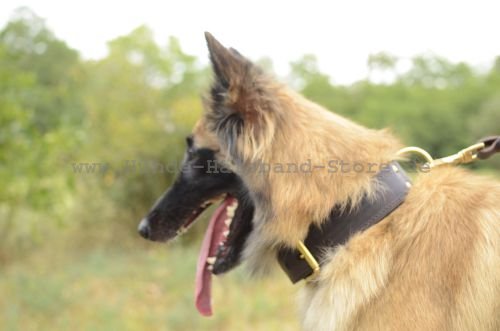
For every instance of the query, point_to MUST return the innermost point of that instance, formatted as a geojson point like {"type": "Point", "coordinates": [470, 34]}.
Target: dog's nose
{"type": "Point", "coordinates": [144, 229]}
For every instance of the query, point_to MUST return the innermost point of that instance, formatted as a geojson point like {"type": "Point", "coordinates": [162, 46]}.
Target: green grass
{"type": "Point", "coordinates": [149, 289]}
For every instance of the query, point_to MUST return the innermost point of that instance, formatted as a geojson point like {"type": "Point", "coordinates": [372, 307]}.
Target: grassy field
{"type": "Point", "coordinates": [135, 290]}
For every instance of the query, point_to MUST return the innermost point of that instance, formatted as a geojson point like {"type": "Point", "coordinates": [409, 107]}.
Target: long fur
{"type": "Point", "coordinates": [433, 264]}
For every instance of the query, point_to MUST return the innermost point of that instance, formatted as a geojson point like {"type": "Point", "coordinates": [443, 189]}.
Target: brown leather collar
{"type": "Point", "coordinates": [394, 186]}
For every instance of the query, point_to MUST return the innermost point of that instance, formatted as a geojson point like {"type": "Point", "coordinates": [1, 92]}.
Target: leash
{"type": "Point", "coordinates": [482, 150]}
{"type": "Point", "coordinates": [491, 146]}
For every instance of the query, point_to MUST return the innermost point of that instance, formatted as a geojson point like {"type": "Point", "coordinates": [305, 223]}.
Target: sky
{"type": "Point", "coordinates": [342, 34]}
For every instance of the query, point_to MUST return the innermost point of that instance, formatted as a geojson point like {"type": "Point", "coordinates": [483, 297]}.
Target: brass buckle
{"type": "Point", "coordinates": [309, 258]}
{"type": "Point", "coordinates": [466, 155]}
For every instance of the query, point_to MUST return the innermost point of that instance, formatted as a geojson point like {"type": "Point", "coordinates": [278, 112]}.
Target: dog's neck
{"type": "Point", "coordinates": [304, 261]}
{"type": "Point", "coordinates": [310, 134]}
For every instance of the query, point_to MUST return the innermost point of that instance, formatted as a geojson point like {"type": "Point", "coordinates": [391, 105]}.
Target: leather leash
{"type": "Point", "coordinates": [491, 146]}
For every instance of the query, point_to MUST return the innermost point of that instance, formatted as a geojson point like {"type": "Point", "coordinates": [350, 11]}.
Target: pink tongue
{"type": "Point", "coordinates": [213, 236]}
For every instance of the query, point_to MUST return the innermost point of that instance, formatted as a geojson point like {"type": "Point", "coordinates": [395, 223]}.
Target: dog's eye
{"type": "Point", "coordinates": [190, 145]}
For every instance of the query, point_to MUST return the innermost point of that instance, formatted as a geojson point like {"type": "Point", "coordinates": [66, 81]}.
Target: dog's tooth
{"type": "Point", "coordinates": [210, 267]}
{"type": "Point", "coordinates": [225, 233]}
{"type": "Point", "coordinates": [232, 208]}
{"type": "Point", "coordinates": [230, 212]}
{"type": "Point", "coordinates": [211, 259]}
{"type": "Point", "coordinates": [228, 221]}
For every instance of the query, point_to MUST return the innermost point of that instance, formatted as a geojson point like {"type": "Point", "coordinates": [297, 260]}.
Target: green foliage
{"type": "Point", "coordinates": [136, 104]}
{"type": "Point", "coordinates": [437, 105]}
{"type": "Point", "coordinates": [39, 107]}
{"type": "Point", "coordinates": [382, 61]}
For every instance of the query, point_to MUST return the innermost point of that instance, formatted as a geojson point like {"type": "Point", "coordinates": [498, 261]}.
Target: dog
{"type": "Point", "coordinates": [431, 262]}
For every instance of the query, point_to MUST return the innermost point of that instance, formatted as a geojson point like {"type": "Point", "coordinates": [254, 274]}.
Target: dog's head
{"type": "Point", "coordinates": [207, 173]}
{"type": "Point", "coordinates": [252, 121]}
{"type": "Point", "coordinates": [238, 122]}
{"type": "Point", "coordinates": [207, 176]}
{"type": "Point", "coordinates": [202, 181]}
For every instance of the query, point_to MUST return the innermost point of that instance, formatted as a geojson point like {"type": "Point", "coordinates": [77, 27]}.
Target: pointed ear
{"type": "Point", "coordinates": [228, 65]}
{"type": "Point", "coordinates": [240, 102]}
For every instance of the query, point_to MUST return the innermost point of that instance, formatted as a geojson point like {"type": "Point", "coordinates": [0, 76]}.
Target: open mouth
{"type": "Point", "coordinates": [195, 214]}
{"type": "Point", "coordinates": [222, 244]}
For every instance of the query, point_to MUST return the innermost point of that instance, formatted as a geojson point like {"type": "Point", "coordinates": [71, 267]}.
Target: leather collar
{"type": "Point", "coordinates": [394, 185]}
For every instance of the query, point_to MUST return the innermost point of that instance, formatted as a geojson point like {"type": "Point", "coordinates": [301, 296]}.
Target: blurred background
{"type": "Point", "coordinates": [90, 87]}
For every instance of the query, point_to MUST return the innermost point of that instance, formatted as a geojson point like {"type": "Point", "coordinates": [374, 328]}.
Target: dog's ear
{"type": "Point", "coordinates": [228, 64]}
{"type": "Point", "coordinates": [239, 98]}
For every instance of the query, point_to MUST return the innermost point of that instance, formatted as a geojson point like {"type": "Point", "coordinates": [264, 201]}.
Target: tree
{"type": "Point", "coordinates": [40, 111]}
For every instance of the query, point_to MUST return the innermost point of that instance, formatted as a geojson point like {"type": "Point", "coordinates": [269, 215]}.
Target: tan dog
{"type": "Point", "coordinates": [432, 264]}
